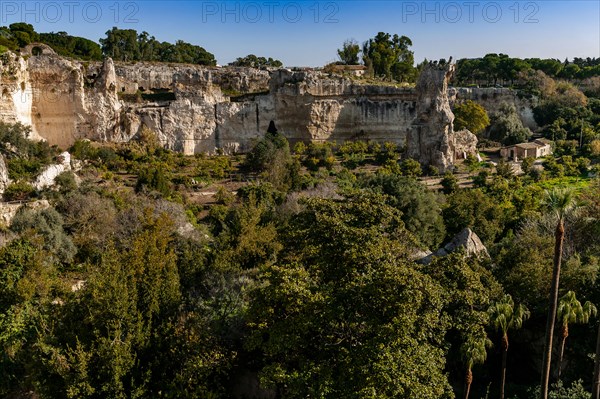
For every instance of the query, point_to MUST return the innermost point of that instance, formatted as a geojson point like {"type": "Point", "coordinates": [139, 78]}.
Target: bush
{"type": "Point", "coordinates": [154, 178]}
{"type": "Point", "coordinates": [319, 155]}
{"type": "Point", "coordinates": [299, 148]}
{"type": "Point", "coordinates": [411, 167]}
{"type": "Point", "coordinates": [83, 150]}
{"type": "Point", "coordinates": [449, 183]}
{"type": "Point", "coordinates": [432, 171]}
{"type": "Point", "coordinates": [19, 191]}
{"type": "Point", "coordinates": [66, 182]}
{"type": "Point", "coordinates": [481, 179]}
{"type": "Point", "coordinates": [224, 197]}
{"type": "Point", "coordinates": [354, 147]}
{"type": "Point", "coordinates": [352, 161]}
{"type": "Point", "coordinates": [504, 169]}
{"type": "Point", "coordinates": [389, 151]}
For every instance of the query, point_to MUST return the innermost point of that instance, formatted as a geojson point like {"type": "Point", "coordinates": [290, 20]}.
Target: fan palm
{"type": "Point", "coordinates": [570, 310]}
{"type": "Point", "coordinates": [505, 316]}
{"type": "Point", "coordinates": [474, 352]}
{"type": "Point", "coordinates": [560, 202]}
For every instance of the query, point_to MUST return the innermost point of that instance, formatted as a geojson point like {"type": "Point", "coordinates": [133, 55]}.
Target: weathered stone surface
{"type": "Point", "coordinates": [4, 179]}
{"type": "Point", "coordinates": [467, 240]}
{"type": "Point", "coordinates": [9, 210]}
{"type": "Point", "coordinates": [196, 109]}
{"type": "Point", "coordinates": [465, 143]}
{"type": "Point", "coordinates": [46, 178]}
{"type": "Point", "coordinates": [492, 98]}
{"type": "Point", "coordinates": [430, 140]}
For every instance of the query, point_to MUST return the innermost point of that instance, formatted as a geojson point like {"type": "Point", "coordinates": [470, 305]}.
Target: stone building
{"type": "Point", "coordinates": [535, 149]}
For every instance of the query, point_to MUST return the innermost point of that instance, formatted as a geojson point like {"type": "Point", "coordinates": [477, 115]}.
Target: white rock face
{"type": "Point", "coordinates": [4, 180]}
{"type": "Point", "coordinates": [431, 139]}
{"type": "Point", "coordinates": [196, 109]}
{"type": "Point", "coordinates": [46, 178]}
{"type": "Point", "coordinates": [8, 211]}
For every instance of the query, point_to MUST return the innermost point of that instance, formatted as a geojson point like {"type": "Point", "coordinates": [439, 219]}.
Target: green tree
{"type": "Point", "coordinates": [472, 116]}
{"type": "Point", "coordinates": [411, 167]}
{"type": "Point", "coordinates": [47, 224]}
{"type": "Point", "coordinates": [342, 313]}
{"type": "Point", "coordinates": [474, 351]}
{"type": "Point", "coordinates": [506, 126]}
{"type": "Point", "coordinates": [475, 209]}
{"type": "Point", "coordinates": [256, 62]}
{"type": "Point", "coordinates": [121, 44]}
{"type": "Point", "coordinates": [570, 310]}
{"type": "Point", "coordinates": [349, 52]}
{"type": "Point", "coordinates": [559, 202]}
{"type": "Point", "coordinates": [127, 45]}
{"type": "Point", "coordinates": [449, 183]}
{"type": "Point", "coordinates": [72, 46]}
{"type": "Point", "coordinates": [390, 57]}
{"type": "Point", "coordinates": [505, 316]}
{"type": "Point", "coordinates": [420, 207]}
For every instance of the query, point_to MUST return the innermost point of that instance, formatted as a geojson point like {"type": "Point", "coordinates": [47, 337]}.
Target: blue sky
{"type": "Point", "coordinates": [307, 33]}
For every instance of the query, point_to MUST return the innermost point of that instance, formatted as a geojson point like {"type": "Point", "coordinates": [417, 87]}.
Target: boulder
{"type": "Point", "coordinates": [46, 178]}
{"type": "Point", "coordinates": [467, 240]}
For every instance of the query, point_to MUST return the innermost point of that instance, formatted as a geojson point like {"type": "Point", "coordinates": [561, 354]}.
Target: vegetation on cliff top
{"type": "Point", "coordinates": [120, 44]}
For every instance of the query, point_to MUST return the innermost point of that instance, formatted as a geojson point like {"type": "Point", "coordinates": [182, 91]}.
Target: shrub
{"type": "Point", "coordinates": [411, 167]}
{"type": "Point", "coordinates": [389, 151]}
{"type": "Point", "coordinates": [449, 183]}
{"type": "Point", "coordinates": [19, 191]}
{"type": "Point", "coordinates": [352, 161]}
{"type": "Point", "coordinates": [432, 170]}
{"type": "Point", "coordinates": [354, 147]}
{"type": "Point", "coordinates": [319, 155]}
{"type": "Point", "coordinates": [83, 149]}
{"type": "Point", "coordinates": [154, 178]}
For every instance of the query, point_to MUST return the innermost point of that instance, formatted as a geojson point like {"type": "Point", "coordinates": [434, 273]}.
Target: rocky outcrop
{"type": "Point", "coordinates": [432, 139]}
{"type": "Point", "coordinates": [9, 210]}
{"type": "Point", "coordinates": [465, 143]}
{"type": "Point", "coordinates": [51, 172]}
{"type": "Point", "coordinates": [466, 240]}
{"type": "Point", "coordinates": [196, 109]}
{"type": "Point", "coordinates": [4, 179]}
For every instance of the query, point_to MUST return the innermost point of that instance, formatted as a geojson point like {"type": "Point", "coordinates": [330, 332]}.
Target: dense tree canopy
{"type": "Point", "coordinates": [387, 344]}
{"type": "Point", "coordinates": [128, 45]}
{"type": "Point", "coordinates": [493, 69]}
{"type": "Point", "coordinates": [390, 57]}
{"type": "Point", "coordinates": [472, 116]}
{"type": "Point", "coordinates": [256, 62]}
{"type": "Point", "coordinates": [349, 53]}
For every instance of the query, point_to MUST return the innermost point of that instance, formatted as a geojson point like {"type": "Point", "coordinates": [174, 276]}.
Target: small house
{"type": "Point", "coordinates": [534, 149]}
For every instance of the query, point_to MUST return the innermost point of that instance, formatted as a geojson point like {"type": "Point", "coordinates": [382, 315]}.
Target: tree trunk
{"type": "Point", "coordinates": [564, 335]}
{"type": "Point", "coordinates": [468, 381]}
{"type": "Point", "coordinates": [596, 379]}
{"type": "Point", "coordinates": [504, 354]}
{"type": "Point", "coordinates": [559, 237]}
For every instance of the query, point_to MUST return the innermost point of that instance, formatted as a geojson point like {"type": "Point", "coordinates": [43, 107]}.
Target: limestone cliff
{"type": "Point", "coordinates": [202, 109]}
{"type": "Point", "coordinates": [491, 98]}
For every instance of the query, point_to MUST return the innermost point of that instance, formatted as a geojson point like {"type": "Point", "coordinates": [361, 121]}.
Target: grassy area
{"type": "Point", "coordinates": [577, 183]}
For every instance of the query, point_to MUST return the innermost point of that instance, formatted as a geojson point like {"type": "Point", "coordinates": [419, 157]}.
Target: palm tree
{"type": "Point", "coordinates": [474, 352]}
{"type": "Point", "coordinates": [505, 316]}
{"type": "Point", "coordinates": [570, 310]}
{"type": "Point", "coordinates": [560, 202]}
